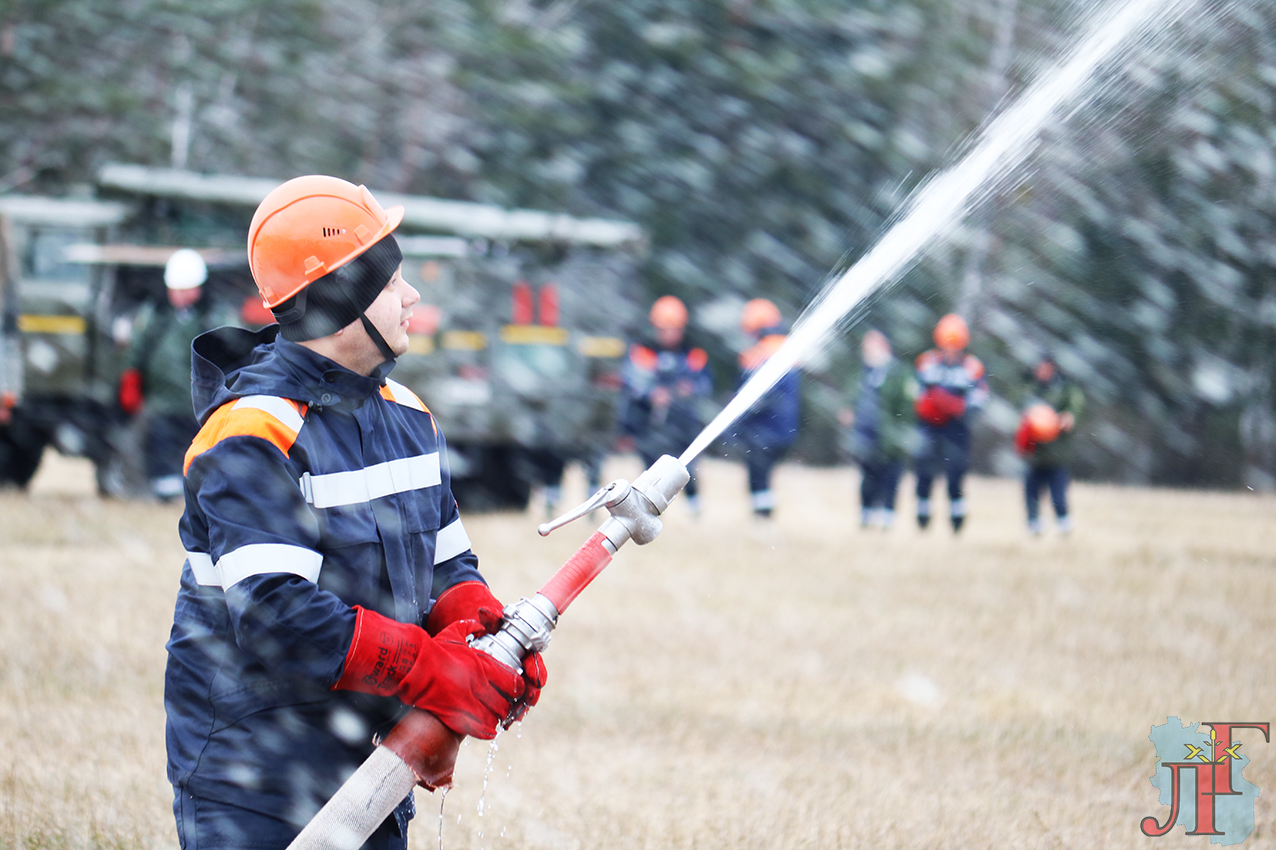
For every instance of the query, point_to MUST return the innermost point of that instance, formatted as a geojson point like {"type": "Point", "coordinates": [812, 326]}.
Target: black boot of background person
{"type": "Point", "coordinates": [923, 520]}
{"type": "Point", "coordinates": [958, 522]}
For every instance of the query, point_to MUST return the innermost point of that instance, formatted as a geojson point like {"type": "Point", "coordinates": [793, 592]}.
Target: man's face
{"type": "Point", "coordinates": [392, 309]}
{"type": "Point", "coordinates": [875, 349]}
{"type": "Point", "coordinates": [668, 337]}
{"type": "Point", "coordinates": [182, 299]}
{"type": "Point", "coordinates": [1045, 371]}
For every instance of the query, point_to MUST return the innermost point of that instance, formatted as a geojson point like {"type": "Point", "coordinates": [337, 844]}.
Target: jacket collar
{"type": "Point", "coordinates": [328, 383]}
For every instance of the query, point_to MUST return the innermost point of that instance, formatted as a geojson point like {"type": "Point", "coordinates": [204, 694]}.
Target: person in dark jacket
{"type": "Point", "coordinates": [329, 583]}
{"type": "Point", "coordinates": [952, 388]}
{"type": "Point", "coordinates": [882, 428]}
{"type": "Point", "coordinates": [768, 430]}
{"type": "Point", "coordinates": [156, 381]}
{"type": "Point", "coordinates": [666, 379]}
{"type": "Point", "coordinates": [1045, 440]}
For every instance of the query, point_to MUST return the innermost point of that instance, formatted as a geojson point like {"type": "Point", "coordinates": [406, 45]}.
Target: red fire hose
{"type": "Point", "coordinates": [420, 749]}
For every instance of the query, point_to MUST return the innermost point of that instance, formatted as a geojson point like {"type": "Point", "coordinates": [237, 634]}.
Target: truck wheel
{"type": "Point", "coordinates": [118, 469]}
{"type": "Point", "coordinates": [20, 453]}
{"type": "Point", "coordinates": [498, 486]}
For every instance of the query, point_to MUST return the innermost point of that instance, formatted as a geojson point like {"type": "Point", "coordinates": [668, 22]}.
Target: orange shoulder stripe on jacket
{"type": "Point", "coordinates": [643, 357]}
{"type": "Point", "coordinates": [399, 394]}
{"type": "Point", "coordinates": [761, 352]}
{"type": "Point", "coordinates": [232, 420]}
{"type": "Point", "coordinates": [974, 367]}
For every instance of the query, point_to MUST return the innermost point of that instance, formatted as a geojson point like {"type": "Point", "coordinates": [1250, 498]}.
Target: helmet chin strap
{"type": "Point", "coordinates": [382, 345]}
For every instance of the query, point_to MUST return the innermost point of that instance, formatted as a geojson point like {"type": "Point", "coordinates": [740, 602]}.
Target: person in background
{"type": "Point", "coordinates": [951, 387]}
{"type": "Point", "coordinates": [1045, 441]}
{"type": "Point", "coordinates": [881, 427]}
{"type": "Point", "coordinates": [769, 428]}
{"type": "Point", "coordinates": [665, 380]}
{"type": "Point", "coordinates": [156, 380]}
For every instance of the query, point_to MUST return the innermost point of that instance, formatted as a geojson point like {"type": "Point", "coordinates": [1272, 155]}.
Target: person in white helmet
{"type": "Point", "coordinates": [156, 381]}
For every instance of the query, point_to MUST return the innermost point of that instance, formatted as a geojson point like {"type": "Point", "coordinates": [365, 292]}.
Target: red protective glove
{"type": "Point", "coordinates": [938, 406]}
{"type": "Point", "coordinates": [130, 395]}
{"type": "Point", "coordinates": [1023, 439]}
{"type": "Point", "coordinates": [534, 677]}
{"type": "Point", "coordinates": [469, 600]}
{"type": "Point", "coordinates": [473, 600]}
{"type": "Point", "coordinates": [470, 691]}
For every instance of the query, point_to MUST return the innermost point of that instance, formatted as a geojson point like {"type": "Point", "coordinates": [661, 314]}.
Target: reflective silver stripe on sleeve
{"type": "Point", "coordinates": [334, 489]}
{"type": "Point", "coordinates": [202, 566]}
{"type": "Point", "coordinates": [450, 541]}
{"type": "Point", "coordinates": [276, 407]}
{"type": "Point", "coordinates": [258, 559]}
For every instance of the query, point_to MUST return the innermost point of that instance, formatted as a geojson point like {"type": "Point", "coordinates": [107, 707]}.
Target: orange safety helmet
{"type": "Point", "coordinates": [758, 315]}
{"type": "Point", "coordinates": [951, 333]}
{"type": "Point", "coordinates": [310, 226]}
{"type": "Point", "coordinates": [1043, 422]}
{"type": "Point", "coordinates": [668, 313]}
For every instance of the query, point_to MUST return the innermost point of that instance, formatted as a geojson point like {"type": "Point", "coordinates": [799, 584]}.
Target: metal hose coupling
{"type": "Point", "coordinates": [526, 628]}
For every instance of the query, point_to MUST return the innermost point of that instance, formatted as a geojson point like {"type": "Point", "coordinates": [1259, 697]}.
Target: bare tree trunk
{"type": "Point", "coordinates": [972, 283]}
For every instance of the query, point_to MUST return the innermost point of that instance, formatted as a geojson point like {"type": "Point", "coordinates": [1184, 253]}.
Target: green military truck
{"type": "Point", "coordinates": [59, 359]}
{"type": "Point", "coordinates": [517, 345]}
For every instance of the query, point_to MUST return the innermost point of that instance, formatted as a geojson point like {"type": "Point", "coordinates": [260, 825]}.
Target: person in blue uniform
{"type": "Point", "coordinates": [768, 430]}
{"type": "Point", "coordinates": [951, 388]}
{"type": "Point", "coordinates": [329, 583]}
{"type": "Point", "coordinates": [881, 426]}
{"type": "Point", "coordinates": [666, 379]}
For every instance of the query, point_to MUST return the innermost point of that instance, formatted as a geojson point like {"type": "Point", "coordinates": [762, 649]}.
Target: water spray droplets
{"type": "Point", "coordinates": [442, 800]}
{"type": "Point", "coordinates": [492, 750]}
{"type": "Point", "coordinates": [945, 199]}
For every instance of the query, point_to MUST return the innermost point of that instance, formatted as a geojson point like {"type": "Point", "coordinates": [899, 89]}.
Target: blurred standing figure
{"type": "Point", "coordinates": [1044, 439]}
{"type": "Point", "coordinates": [157, 368]}
{"type": "Point", "coordinates": [769, 428]}
{"type": "Point", "coordinates": [664, 381]}
{"type": "Point", "coordinates": [952, 387]}
{"type": "Point", "coordinates": [882, 428]}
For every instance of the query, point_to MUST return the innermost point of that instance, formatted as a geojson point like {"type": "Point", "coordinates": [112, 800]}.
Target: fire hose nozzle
{"type": "Point", "coordinates": [635, 508]}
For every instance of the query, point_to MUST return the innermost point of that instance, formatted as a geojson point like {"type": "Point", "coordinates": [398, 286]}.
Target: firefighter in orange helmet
{"type": "Point", "coordinates": [768, 430]}
{"type": "Point", "coordinates": [665, 381]}
{"type": "Point", "coordinates": [951, 388]}
{"type": "Point", "coordinates": [329, 583]}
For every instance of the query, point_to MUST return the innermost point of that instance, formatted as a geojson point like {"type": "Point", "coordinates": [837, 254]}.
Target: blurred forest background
{"type": "Point", "coordinates": [763, 144]}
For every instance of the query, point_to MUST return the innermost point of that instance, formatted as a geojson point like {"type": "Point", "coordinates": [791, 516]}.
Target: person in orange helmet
{"type": "Point", "coordinates": [951, 387]}
{"type": "Point", "coordinates": [768, 430]}
{"type": "Point", "coordinates": [665, 381]}
{"type": "Point", "coordinates": [1044, 439]}
{"type": "Point", "coordinates": [329, 583]}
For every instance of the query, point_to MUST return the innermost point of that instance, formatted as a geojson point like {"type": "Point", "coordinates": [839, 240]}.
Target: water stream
{"type": "Point", "coordinates": [940, 203]}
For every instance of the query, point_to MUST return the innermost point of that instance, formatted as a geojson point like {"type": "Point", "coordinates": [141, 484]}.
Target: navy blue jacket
{"type": "Point", "coordinates": [309, 489]}
{"type": "Point", "coordinates": [772, 423]}
{"type": "Point", "coordinates": [649, 366]}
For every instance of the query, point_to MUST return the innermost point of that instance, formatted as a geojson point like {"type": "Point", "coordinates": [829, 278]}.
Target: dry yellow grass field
{"type": "Point", "coordinates": [802, 684]}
